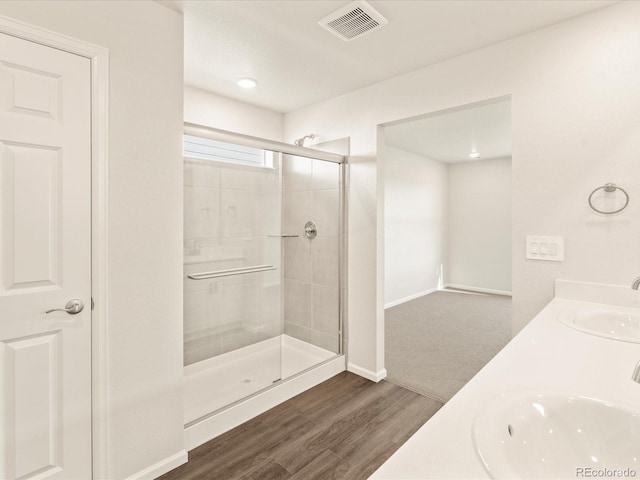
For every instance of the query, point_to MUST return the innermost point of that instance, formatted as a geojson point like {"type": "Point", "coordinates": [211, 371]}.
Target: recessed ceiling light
{"type": "Point", "coordinates": [247, 82]}
{"type": "Point", "coordinates": [474, 155]}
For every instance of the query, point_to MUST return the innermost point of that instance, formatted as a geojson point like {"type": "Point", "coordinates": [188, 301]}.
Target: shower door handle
{"type": "Point", "coordinates": [72, 307]}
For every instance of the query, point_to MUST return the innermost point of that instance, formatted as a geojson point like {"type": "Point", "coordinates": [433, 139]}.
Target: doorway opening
{"type": "Point", "coordinates": [447, 183]}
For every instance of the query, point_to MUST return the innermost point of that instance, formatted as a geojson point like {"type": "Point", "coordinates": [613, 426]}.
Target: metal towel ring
{"type": "Point", "coordinates": [609, 188]}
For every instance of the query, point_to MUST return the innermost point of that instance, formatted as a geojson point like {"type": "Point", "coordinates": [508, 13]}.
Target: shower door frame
{"type": "Point", "coordinates": [222, 420]}
{"type": "Point", "coordinates": [256, 142]}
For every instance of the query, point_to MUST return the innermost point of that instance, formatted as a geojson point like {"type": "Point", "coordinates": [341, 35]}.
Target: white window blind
{"type": "Point", "coordinates": [205, 148]}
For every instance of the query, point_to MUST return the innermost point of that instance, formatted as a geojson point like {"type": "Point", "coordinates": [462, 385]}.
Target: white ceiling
{"type": "Point", "coordinates": [452, 135]}
{"type": "Point", "coordinates": [297, 62]}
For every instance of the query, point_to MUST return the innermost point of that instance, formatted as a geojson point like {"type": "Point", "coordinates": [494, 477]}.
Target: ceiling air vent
{"type": "Point", "coordinates": [353, 21]}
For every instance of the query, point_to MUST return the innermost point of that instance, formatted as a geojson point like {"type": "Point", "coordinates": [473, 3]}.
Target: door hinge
{"type": "Point", "coordinates": [92, 303]}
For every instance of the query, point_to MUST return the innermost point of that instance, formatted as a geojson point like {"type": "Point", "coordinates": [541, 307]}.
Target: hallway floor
{"type": "Point", "coordinates": [344, 428]}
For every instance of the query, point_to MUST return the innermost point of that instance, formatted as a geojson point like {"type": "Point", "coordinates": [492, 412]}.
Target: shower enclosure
{"type": "Point", "coordinates": [263, 251]}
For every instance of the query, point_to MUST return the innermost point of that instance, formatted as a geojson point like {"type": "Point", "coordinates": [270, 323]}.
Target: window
{"type": "Point", "coordinates": [205, 148]}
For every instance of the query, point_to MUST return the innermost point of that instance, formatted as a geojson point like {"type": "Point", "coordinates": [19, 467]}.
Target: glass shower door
{"type": "Point", "coordinates": [262, 269]}
{"type": "Point", "coordinates": [232, 283]}
{"type": "Point", "coordinates": [312, 204]}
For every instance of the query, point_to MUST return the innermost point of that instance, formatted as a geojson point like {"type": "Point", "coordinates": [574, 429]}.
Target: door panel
{"type": "Point", "coordinates": [32, 384]}
{"type": "Point", "coordinates": [45, 261]}
{"type": "Point", "coordinates": [32, 92]}
{"type": "Point", "coordinates": [31, 187]}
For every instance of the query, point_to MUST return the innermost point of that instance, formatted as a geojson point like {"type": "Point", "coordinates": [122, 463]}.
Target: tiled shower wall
{"type": "Point", "coordinates": [230, 213]}
{"type": "Point", "coordinates": [311, 267]}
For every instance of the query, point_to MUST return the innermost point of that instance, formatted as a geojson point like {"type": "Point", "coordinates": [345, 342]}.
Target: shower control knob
{"type": "Point", "coordinates": [310, 230]}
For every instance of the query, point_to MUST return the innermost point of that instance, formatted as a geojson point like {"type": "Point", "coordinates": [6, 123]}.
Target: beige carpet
{"type": "Point", "coordinates": [437, 343]}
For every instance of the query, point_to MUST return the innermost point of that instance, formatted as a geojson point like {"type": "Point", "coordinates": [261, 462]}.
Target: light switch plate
{"type": "Point", "coordinates": [541, 247]}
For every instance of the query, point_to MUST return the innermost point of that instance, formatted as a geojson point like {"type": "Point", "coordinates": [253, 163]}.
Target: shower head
{"type": "Point", "coordinates": [300, 142]}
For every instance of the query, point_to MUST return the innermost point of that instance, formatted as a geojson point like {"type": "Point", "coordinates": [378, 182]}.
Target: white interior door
{"type": "Point", "coordinates": [45, 261]}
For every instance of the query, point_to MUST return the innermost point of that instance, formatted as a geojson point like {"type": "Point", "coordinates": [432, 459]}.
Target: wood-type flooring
{"type": "Point", "coordinates": [344, 428]}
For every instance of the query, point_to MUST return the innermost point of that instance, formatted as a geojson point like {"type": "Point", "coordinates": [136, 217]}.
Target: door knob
{"type": "Point", "coordinates": [72, 307]}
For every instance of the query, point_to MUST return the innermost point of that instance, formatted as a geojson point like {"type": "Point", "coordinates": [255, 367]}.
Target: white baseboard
{"type": "Point", "coordinates": [368, 374]}
{"type": "Point", "coordinates": [162, 467]}
{"type": "Point", "coordinates": [200, 432]}
{"type": "Point", "coordinates": [477, 289]}
{"type": "Point", "coordinates": [410, 297]}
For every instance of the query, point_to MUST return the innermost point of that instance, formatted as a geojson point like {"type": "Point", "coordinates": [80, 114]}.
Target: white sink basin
{"type": "Point", "coordinates": [538, 436]}
{"type": "Point", "coordinates": [618, 323]}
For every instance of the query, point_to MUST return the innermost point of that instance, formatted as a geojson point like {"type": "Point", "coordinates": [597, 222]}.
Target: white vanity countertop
{"type": "Point", "coordinates": [546, 355]}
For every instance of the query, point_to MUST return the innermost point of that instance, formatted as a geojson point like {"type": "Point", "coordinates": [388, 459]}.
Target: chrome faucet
{"type": "Point", "coordinates": [636, 283]}
{"type": "Point", "coordinates": [636, 374]}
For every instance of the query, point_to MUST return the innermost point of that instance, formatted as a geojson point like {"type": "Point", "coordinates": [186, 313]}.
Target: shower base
{"type": "Point", "coordinates": [203, 383]}
{"type": "Point", "coordinates": [219, 381]}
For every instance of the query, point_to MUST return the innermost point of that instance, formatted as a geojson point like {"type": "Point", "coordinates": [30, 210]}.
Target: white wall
{"type": "Point", "coordinates": [211, 110]}
{"type": "Point", "coordinates": [445, 224]}
{"type": "Point", "coordinates": [480, 225]}
{"type": "Point", "coordinates": [145, 217]}
{"type": "Point", "coordinates": [415, 213]}
{"type": "Point", "coordinates": [574, 118]}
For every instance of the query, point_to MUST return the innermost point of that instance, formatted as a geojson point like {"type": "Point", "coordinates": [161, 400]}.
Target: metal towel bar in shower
{"type": "Point", "coordinates": [230, 271]}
